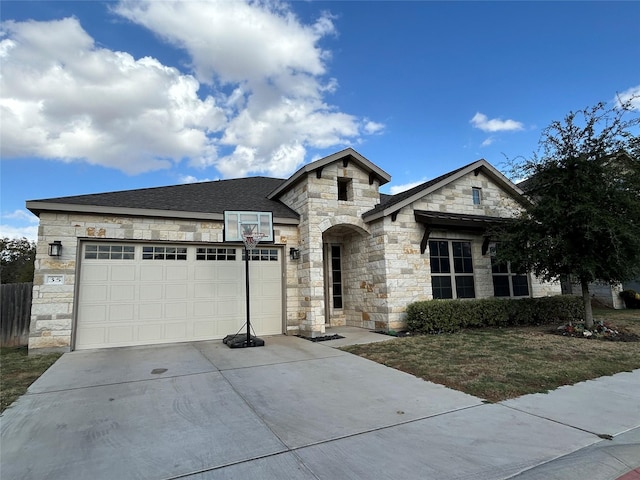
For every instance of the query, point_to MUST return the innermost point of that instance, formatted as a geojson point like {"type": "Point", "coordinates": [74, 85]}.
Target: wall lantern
{"type": "Point", "coordinates": [294, 253]}
{"type": "Point", "coordinates": [55, 248]}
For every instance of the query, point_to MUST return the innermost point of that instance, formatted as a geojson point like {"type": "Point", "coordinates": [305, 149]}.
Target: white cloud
{"type": "Point", "coordinates": [488, 141]}
{"type": "Point", "coordinates": [23, 215]}
{"type": "Point", "coordinates": [192, 179]}
{"type": "Point", "coordinates": [373, 127]}
{"type": "Point", "coordinates": [402, 188]}
{"type": "Point", "coordinates": [630, 95]}
{"type": "Point", "coordinates": [65, 98]}
{"type": "Point", "coordinates": [235, 41]}
{"type": "Point", "coordinates": [17, 229]}
{"type": "Point", "coordinates": [485, 124]}
{"type": "Point", "coordinates": [11, 231]}
{"type": "Point", "coordinates": [277, 109]}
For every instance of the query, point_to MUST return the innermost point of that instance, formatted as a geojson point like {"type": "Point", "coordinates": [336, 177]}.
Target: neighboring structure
{"type": "Point", "coordinates": [632, 285]}
{"type": "Point", "coordinates": [602, 293]}
{"type": "Point", "coordinates": [152, 265]}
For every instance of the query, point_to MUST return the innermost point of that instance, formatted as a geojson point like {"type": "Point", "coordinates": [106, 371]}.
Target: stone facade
{"type": "Point", "coordinates": [53, 305]}
{"type": "Point", "coordinates": [380, 267]}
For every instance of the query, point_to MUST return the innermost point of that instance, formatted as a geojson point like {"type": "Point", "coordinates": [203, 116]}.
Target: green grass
{"type": "Point", "coordinates": [18, 370]}
{"type": "Point", "coordinates": [497, 364]}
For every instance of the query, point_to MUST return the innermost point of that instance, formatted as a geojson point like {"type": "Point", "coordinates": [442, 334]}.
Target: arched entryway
{"type": "Point", "coordinates": [345, 256]}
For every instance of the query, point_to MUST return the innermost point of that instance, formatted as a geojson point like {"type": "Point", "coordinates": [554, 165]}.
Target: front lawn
{"type": "Point", "coordinates": [500, 363]}
{"type": "Point", "coordinates": [18, 370]}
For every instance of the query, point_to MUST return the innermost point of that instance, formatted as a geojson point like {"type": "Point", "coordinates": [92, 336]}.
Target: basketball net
{"type": "Point", "coordinates": [251, 240]}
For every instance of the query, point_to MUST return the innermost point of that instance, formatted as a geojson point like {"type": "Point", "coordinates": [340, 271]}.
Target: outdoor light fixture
{"type": "Point", "coordinates": [55, 248]}
{"type": "Point", "coordinates": [294, 253]}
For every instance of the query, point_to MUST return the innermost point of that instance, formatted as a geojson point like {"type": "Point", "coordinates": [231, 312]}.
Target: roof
{"type": "Point", "coordinates": [346, 155]}
{"type": "Point", "coordinates": [393, 203]}
{"type": "Point", "coordinates": [209, 200]}
{"type": "Point", "coordinates": [457, 220]}
{"type": "Point", "coordinates": [194, 200]}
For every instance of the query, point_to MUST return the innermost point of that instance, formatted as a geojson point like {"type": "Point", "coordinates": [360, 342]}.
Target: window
{"type": "Point", "coordinates": [446, 283]}
{"type": "Point", "coordinates": [164, 253]}
{"type": "Point", "coordinates": [344, 189]}
{"type": "Point", "coordinates": [477, 195]}
{"type": "Point", "coordinates": [336, 276]}
{"type": "Point", "coordinates": [218, 254]}
{"type": "Point", "coordinates": [109, 252]}
{"type": "Point", "coordinates": [262, 255]}
{"type": "Point", "coordinates": [506, 283]}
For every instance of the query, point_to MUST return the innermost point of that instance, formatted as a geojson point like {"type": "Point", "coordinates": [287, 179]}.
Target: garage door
{"type": "Point", "coordinates": [141, 294]}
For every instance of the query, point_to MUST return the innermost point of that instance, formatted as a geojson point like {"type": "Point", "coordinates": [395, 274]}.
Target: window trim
{"type": "Point", "coordinates": [452, 274]}
{"type": "Point", "coordinates": [262, 254]}
{"type": "Point", "coordinates": [510, 276]}
{"type": "Point", "coordinates": [345, 191]}
{"type": "Point", "coordinates": [165, 252]}
{"type": "Point", "coordinates": [109, 251]}
{"type": "Point", "coordinates": [336, 283]}
{"type": "Point", "coordinates": [217, 254]}
{"type": "Point", "coordinates": [476, 196]}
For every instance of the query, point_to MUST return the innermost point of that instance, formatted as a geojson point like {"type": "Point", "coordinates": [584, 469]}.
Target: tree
{"type": "Point", "coordinates": [583, 218]}
{"type": "Point", "coordinates": [17, 258]}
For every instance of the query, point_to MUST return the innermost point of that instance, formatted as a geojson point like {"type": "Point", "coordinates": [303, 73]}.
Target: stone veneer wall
{"type": "Point", "coordinates": [298, 280]}
{"type": "Point", "coordinates": [373, 285]}
{"type": "Point", "coordinates": [408, 272]}
{"type": "Point", "coordinates": [316, 200]}
{"type": "Point", "coordinates": [384, 270]}
{"type": "Point", "coordinates": [52, 305]}
{"type": "Point", "coordinates": [456, 197]}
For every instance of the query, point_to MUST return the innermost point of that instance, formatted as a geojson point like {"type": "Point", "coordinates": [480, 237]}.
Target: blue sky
{"type": "Point", "coordinates": [104, 96]}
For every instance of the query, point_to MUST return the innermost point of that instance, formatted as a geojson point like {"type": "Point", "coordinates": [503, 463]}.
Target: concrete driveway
{"type": "Point", "coordinates": [295, 409]}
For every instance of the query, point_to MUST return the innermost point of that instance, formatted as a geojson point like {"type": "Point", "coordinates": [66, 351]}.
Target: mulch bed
{"type": "Point", "coordinates": [324, 338]}
{"type": "Point", "coordinates": [600, 331]}
{"type": "Point", "coordinates": [393, 333]}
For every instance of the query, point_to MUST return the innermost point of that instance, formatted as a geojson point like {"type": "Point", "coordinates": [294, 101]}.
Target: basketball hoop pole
{"type": "Point", "coordinates": [250, 242]}
{"type": "Point", "coordinates": [246, 277]}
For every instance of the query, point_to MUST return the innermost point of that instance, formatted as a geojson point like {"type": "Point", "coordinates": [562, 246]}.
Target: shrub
{"type": "Point", "coordinates": [631, 298]}
{"type": "Point", "coordinates": [446, 316]}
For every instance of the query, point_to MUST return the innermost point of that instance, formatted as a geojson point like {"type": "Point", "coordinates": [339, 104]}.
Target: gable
{"type": "Point", "coordinates": [457, 197]}
{"type": "Point", "coordinates": [345, 157]}
{"type": "Point", "coordinates": [449, 190]}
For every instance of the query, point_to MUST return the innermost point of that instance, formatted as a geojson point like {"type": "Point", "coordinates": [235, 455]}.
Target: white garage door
{"type": "Point", "coordinates": [147, 294]}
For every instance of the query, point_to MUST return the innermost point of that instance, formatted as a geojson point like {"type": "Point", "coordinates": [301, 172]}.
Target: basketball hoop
{"type": "Point", "coordinates": [251, 237]}
{"type": "Point", "coordinates": [251, 240]}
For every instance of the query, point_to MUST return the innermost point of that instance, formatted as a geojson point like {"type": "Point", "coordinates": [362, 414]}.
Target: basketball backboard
{"type": "Point", "coordinates": [238, 222]}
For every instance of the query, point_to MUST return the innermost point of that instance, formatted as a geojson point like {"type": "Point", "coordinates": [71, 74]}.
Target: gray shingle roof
{"type": "Point", "coordinates": [206, 197]}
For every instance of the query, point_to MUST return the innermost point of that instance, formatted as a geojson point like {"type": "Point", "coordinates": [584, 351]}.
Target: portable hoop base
{"type": "Point", "coordinates": [240, 341]}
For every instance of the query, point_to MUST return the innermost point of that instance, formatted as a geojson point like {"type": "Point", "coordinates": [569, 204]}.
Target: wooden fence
{"type": "Point", "coordinates": [15, 314]}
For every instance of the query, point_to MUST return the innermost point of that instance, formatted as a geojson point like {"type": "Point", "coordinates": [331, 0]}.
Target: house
{"type": "Point", "coordinates": [165, 264]}
{"type": "Point", "coordinates": [603, 294]}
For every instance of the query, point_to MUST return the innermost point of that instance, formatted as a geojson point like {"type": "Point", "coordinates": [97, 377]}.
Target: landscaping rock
{"type": "Point", "coordinates": [600, 331]}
